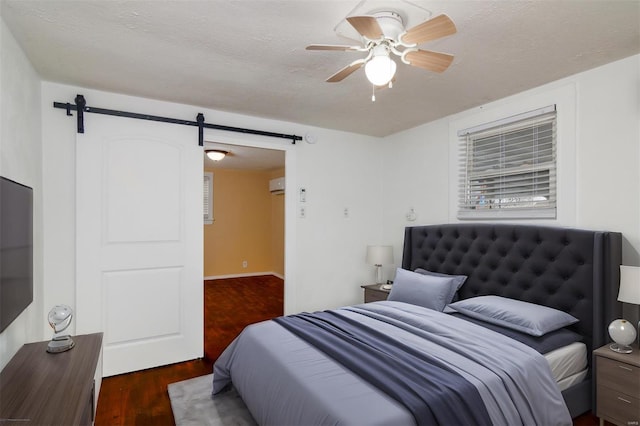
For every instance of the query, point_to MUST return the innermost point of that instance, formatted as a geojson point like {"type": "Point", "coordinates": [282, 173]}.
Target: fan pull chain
{"type": "Point", "coordinates": [373, 93]}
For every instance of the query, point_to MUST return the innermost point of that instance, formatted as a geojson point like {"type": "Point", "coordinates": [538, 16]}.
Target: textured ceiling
{"type": "Point", "coordinates": [249, 57]}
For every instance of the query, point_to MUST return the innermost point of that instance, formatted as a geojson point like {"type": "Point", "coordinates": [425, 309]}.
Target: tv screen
{"type": "Point", "coordinates": [16, 250]}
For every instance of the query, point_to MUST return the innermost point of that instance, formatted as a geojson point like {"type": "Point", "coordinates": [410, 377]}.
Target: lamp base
{"type": "Point", "coordinates": [621, 349]}
{"type": "Point", "coordinates": [379, 274]}
{"type": "Point", "coordinates": [60, 344]}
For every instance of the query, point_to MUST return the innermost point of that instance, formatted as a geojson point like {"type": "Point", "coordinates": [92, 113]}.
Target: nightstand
{"type": "Point", "coordinates": [373, 293]}
{"type": "Point", "coordinates": [618, 386]}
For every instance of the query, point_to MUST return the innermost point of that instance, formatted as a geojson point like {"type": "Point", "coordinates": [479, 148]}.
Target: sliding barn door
{"type": "Point", "coordinates": [139, 241]}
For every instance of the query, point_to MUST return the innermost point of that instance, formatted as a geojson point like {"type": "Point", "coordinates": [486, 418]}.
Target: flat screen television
{"type": "Point", "coordinates": [16, 250]}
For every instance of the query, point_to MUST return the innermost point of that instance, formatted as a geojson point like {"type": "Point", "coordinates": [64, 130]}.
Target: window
{"type": "Point", "coordinates": [207, 193]}
{"type": "Point", "coordinates": [508, 168]}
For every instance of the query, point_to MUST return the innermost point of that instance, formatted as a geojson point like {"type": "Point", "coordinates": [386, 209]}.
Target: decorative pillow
{"type": "Point", "coordinates": [551, 341]}
{"type": "Point", "coordinates": [423, 290]}
{"type": "Point", "coordinates": [458, 279]}
{"type": "Point", "coordinates": [529, 318]}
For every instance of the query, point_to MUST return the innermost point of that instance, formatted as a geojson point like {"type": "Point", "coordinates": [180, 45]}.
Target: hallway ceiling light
{"type": "Point", "coordinates": [216, 154]}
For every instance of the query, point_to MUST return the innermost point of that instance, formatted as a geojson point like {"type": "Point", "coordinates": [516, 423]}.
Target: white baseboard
{"type": "Point", "coordinates": [250, 274]}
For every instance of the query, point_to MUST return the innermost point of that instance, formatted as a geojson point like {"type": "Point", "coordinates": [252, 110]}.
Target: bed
{"type": "Point", "coordinates": [284, 375]}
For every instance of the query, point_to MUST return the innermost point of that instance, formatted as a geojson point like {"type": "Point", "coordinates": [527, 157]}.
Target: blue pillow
{"type": "Point", "coordinates": [457, 279]}
{"type": "Point", "coordinates": [529, 318]}
{"type": "Point", "coordinates": [422, 290]}
{"type": "Point", "coordinates": [549, 342]}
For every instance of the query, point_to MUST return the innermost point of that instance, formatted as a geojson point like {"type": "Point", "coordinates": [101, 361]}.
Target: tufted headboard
{"type": "Point", "coordinates": [573, 270]}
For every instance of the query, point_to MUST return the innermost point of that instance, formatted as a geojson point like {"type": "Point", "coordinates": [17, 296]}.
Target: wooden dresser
{"type": "Point", "coordinates": [39, 388]}
{"type": "Point", "coordinates": [618, 386]}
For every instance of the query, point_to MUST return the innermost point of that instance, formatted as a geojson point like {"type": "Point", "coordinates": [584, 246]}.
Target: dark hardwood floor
{"type": "Point", "coordinates": [232, 304]}
{"type": "Point", "coordinates": [141, 398]}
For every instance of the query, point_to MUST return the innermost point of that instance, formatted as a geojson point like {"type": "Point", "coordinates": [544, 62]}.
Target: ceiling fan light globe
{"type": "Point", "coordinates": [380, 70]}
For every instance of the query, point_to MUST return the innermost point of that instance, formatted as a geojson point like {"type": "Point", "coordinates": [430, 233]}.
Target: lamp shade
{"type": "Point", "coordinates": [379, 255]}
{"type": "Point", "coordinates": [629, 284]}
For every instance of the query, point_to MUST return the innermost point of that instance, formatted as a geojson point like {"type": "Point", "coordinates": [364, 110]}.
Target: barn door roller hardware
{"type": "Point", "coordinates": [82, 108]}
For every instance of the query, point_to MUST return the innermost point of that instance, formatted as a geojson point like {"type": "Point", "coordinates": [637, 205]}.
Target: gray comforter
{"type": "Point", "coordinates": [285, 381]}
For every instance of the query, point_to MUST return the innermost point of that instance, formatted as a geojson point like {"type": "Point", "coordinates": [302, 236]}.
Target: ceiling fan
{"type": "Point", "coordinates": [383, 33]}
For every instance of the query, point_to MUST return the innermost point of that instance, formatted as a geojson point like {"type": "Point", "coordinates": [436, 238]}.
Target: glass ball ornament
{"type": "Point", "coordinates": [623, 334]}
{"type": "Point", "coordinates": [59, 319]}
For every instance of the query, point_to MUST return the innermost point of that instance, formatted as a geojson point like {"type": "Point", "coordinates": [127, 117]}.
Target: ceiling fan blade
{"type": "Point", "coordinates": [435, 28]}
{"type": "Point", "coordinates": [367, 26]}
{"type": "Point", "coordinates": [330, 47]}
{"type": "Point", "coordinates": [432, 61]}
{"type": "Point", "coordinates": [346, 71]}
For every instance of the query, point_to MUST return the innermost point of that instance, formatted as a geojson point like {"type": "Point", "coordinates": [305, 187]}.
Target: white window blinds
{"type": "Point", "coordinates": [508, 168]}
{"type": "Point", "coordinates": [207, 193]}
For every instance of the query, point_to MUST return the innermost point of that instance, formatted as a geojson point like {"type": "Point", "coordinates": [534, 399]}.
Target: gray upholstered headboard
{"type": "Point", "coordinates": [573, 270]}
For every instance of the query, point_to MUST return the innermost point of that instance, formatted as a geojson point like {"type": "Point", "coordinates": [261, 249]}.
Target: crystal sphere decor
{"type": "Point", "coordinates": [59, 319]}
{"type": "Point", "coordinates": [623, 334]}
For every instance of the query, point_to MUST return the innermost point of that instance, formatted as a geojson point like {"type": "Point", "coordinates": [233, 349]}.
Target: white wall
{"type": "Point", "coordinates": [598, 157]}
{"type": "Point", "coordinates": [324, 251]}
{"type": "Point", "coordinates": [20, 160]}
{"type": "Point", "coordinates": [415, 170]}
{"type": "Point", "coordinates": [341, 171]}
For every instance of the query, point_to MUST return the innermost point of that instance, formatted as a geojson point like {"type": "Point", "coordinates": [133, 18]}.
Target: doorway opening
{"type": "Point", "coordinates": [244, 242]}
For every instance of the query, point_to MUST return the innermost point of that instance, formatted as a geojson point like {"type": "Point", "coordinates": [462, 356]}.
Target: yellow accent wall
{"type": "Point", "coordinates": [248, 224]}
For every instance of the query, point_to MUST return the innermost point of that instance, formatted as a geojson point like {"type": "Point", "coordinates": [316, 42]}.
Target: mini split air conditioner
{"type": "Point", "coordinates": [276, 186]}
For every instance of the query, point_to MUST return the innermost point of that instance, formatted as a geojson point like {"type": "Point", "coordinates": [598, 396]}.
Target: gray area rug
{"type": "Point", "coordinates": [193, 405]}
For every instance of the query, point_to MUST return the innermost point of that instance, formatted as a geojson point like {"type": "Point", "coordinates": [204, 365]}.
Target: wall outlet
{"type": "Point", "coordinates": [345, 212]}
{"type": "Point", "coordinates": [244, 263]}
{"type": "Point", "coordinates": [302, 213]}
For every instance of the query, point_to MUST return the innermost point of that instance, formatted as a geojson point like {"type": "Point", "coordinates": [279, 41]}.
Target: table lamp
{"type": "Point", "coordinates": [622, 331]}
{"type": "Point", "coordinates": [378, 256]}
{"type": "Point", "coordinates": [59, 319]}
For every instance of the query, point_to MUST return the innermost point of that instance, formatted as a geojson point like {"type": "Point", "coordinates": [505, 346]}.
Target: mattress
{"type": "Point", "coordinates": [284, 380]}
{"type": "Point", "coordinates": [567, 382]}
{"type": "Point", "coordinates": [567, 361]}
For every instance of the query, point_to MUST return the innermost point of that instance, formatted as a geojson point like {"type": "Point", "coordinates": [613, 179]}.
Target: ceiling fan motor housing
{"type": "Point", "coordinates": [391, 24]}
